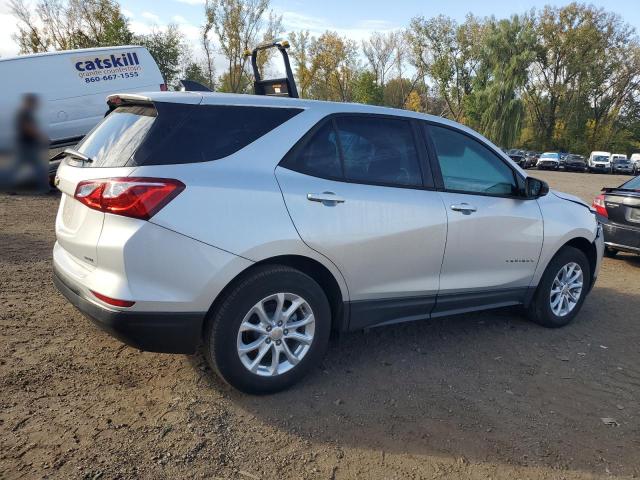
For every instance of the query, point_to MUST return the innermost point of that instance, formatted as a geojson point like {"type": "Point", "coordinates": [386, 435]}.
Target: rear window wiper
{"type": "Point", "coordinates": [70, 152]}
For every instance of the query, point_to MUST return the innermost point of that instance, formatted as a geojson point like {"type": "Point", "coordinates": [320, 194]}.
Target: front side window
{"type": "Point", "coordinates": [469, 166]}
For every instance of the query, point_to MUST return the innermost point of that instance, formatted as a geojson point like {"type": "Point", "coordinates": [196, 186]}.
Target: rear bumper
{"type": "Point", "coordinates": [624, 238]}
{"type": "Point", "coordinates": [165, 332]}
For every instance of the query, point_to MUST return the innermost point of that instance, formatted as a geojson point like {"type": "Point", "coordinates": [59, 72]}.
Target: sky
{"type": "Point", "coordinates": [354, 18]}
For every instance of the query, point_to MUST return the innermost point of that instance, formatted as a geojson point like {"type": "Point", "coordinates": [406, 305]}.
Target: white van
{"type": "Point", "coordinates": [72, 86]}
{"type": "Point", "coordinates": [600, 162]}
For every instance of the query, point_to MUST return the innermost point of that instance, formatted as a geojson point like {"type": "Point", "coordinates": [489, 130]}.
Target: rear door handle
{"type": "Point", "coordinates": [465, 208]}
{"type": "Point", "coordinates": [326, 198]}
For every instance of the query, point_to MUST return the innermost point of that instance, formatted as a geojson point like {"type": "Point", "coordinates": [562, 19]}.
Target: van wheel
{"type": "Point", "coordinates": [562, 289]}
{"type": "Point", "coordinates": [269, 330]}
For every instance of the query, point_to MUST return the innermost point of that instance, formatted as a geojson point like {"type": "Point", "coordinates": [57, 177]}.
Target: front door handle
{"type": "Point", "coordinates": [465, 208]}
{"type": "Point", "coordinates": [326, 198]}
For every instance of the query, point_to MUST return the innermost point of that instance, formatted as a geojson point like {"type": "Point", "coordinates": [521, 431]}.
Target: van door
{"type": "Point", "coordinates": [355, 191]}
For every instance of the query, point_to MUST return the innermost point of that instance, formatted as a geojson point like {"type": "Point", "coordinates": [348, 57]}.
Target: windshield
{"type": "Point", "coordinates": [552, 156]}
{"type": "Point", "coordinates": [600, 158]}
{"type": "Point", "coordinates": [620, 160]}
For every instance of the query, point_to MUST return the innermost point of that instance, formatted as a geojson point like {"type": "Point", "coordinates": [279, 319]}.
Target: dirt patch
{"type": "Point", "coordinates": [486, 395]}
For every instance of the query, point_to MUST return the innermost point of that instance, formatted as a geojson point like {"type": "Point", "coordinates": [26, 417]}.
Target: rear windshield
{"type": "Point", "coordinates": [115, 140]}
{"type": "Point", "coordinates": [175, 133]}
{"type": "Point", "coordinates": [634, 184]}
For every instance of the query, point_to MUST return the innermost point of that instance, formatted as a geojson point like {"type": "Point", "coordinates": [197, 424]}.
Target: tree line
{"type": "Point", "coordinates": [560, 78]}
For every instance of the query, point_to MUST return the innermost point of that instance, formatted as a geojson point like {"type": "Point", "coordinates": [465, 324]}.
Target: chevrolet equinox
{"type": "Point", "coordinates": [257, 225]}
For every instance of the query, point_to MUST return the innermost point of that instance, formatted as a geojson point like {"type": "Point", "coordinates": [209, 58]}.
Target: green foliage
{"type": "Point", "coordinates": [196, 73]}
{"type": "Point", "coordinates": [366, 90]}
{"type": "Point", "coordinates": [166, 48]}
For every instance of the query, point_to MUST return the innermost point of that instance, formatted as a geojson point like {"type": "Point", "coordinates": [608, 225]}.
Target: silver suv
{"type": "Point", "coordinates": [257, 225]}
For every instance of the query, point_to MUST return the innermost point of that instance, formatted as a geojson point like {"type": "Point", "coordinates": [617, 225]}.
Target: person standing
{"type": "Point", "coordinates": [30, 143]}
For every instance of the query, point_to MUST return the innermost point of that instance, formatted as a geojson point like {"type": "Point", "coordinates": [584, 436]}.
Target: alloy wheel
{"type": "Point", "coordinates": [566, 289]}
{"type": "Point", "coordinates": [276, 334]}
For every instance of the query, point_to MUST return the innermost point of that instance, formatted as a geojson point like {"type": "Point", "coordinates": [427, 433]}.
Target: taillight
{"type": "Point", "coordinates": [599, 206]}
{"type": "Point", "coordinates": [163, 87]}
{"type": "Point", "coordinates": [135, 197]}
{"type": "Point", "coordinates": [113, 301]}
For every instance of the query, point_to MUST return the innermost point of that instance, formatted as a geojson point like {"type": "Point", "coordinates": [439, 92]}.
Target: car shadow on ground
{"type": "Point", "coordinates": [490, 387]}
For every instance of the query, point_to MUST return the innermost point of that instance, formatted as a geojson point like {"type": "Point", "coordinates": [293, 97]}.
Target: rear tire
{"type": "Point", "coordinates": [253, 314]}
{"type": "Point", "coordinates": [545, 309]}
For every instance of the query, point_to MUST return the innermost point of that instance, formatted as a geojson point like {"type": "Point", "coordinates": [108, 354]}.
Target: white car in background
{"type": "Point", "coordinates": [549, 161]}
{"type": "Point", "coordinates": [600, 162]}
{"type": "Point", "coordinates": [72, 87]}
{"type": "Point", "coordinates": [635, 163]}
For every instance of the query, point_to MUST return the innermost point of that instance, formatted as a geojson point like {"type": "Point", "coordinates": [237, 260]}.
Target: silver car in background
{"type": "Point", "coordinates": [257, 225]}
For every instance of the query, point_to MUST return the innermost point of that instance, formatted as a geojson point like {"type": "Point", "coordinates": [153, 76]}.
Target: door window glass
{"type": "Point", "coordinates": [379, 150]}
{"type": "Point", "coordinates": [469, 166]}
{"type": "Point", "coordinates": [319, 156]}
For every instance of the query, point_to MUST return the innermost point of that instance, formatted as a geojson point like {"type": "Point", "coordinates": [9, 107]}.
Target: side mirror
{"type": "Point", "coordinates": [534, 188]}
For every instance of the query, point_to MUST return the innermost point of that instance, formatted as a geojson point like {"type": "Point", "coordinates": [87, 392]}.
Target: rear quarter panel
{"type": "Point", "coordinates": [235, 204]}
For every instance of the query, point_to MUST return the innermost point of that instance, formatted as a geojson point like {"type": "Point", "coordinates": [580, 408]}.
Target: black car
{"type": "Point", "coordinates": [575, 163]}
{"type": "Point", "coordinates": [621, 165]}
{"type": "Point", "coordinates": [618, 210]}
{"type": "Point", "coordinates": [519, 159]}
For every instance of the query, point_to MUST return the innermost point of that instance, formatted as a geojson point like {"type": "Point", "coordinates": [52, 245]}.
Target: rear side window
{"type": "Point", "coordinates": [319, 157]}
{"type": "Point", "coordinates": [175, 133]}
{"type": "Point", "coordinates": [360, 149]}
{"type": "Point", "coordinates": [379, 150]}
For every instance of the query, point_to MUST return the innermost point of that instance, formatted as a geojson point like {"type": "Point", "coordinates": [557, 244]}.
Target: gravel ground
{"type": "Point", "coordinates": [486, 395]}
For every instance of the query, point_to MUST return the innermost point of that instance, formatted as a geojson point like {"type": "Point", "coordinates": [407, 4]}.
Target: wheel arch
{"type": "Point", "coordinates": [312, 267]}
{"type": "Point", "coordinates": [590, 251]}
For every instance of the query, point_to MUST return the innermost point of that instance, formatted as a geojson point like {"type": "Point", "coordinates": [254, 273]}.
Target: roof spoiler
{"type": "Point", "coordinates": [191, 86]}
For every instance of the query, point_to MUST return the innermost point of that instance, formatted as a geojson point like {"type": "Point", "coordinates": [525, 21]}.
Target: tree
{"type": "Point", "coordinates": [379, 51]}
{"type": "Point", "coordinates": [449, 54]}
{"type": "Point", "coordinates": [366, 89]}
{"type": "Point", "coordinates": [565, 36]}
{"type": "Point", "coordinates": [413, 102]}
{"type": "Point", "coordinates": [208, 48]}
{"type": "Point", "coordinates": [195, 73]}
{"type": "Point", "coordinates": [66, 25]}
{"type": "Point", "coordinates": [299, 55]}
{"type": "Point", "coordinates": [495, 105]}
{"type": "Point", "coordinates": [166, 47]}
{"type": "Point", "coordinates": [238, 25]}
{"type": "Point", "coordinates": [334, 63]}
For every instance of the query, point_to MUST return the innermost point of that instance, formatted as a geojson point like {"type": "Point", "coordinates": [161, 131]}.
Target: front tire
{"type": "Point", "coordinates": [610, 252]}
{"type": "Point", "coordinates": [268, 330]}
{"type": "Point", "coordinates": [562, 289]}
